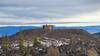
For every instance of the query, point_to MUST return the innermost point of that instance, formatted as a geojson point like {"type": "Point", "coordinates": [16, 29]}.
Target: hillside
{"type": "Point", "coordinates": [56, 33]}
{"type": "Point", "coordinates": [63, 39]}
{"type": "Point", "coordinates": [49, 31]}
{"type": "Point", "coordinates": [97, 35]}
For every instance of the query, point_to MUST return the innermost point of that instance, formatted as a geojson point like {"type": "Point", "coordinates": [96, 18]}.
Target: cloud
{"type": "Point", "coordinates": [17, 12]}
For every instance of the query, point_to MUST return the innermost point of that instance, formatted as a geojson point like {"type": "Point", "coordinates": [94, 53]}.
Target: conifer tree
{"type": "Point", "coordinates": [21, 45]}
{"type": "Point", "coordinates": [5, 45]}
{"type": "Point", "coordinates": [36, 42]}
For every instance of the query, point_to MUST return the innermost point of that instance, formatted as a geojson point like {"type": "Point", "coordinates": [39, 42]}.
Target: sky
{"type": "Point", "coordinates": [58, 12]}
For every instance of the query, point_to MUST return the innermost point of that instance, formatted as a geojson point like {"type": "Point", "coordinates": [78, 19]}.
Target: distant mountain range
{"type": "Point", "coordinates": [10, 30]}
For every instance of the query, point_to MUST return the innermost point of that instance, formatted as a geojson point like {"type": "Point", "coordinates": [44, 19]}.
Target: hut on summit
{"type": "Point", "coordinates": [48, 27]}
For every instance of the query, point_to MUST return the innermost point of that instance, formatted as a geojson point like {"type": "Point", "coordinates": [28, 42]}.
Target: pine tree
{"type": "Point", "coordinates": [21, 45]}
{"type": "Point", "coordinates": [36, 42]}
{"type": "Point", "coordinates": [36, 46]}
{"type": "Point", "coordinates": [5, 45]}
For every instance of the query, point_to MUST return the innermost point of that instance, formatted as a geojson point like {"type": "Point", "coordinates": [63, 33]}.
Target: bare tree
{"type": "Point", "coordinates": [53, 51]}
{"type": "Point", "coordinates": [92, 52]}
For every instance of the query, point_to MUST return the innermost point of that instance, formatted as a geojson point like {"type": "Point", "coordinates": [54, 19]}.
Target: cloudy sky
{"type": "Point", "coordinates": [59, 12]}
